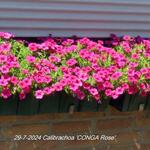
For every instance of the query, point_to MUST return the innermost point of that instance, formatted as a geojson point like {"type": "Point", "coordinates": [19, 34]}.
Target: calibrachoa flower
{"type": "Point", "coordinates": [116, 75]}
{"type": "Point", "coordinates": [39, 94]}
{"type": "Point", "coordinates": [31, 59]}
{"type": "Point", "coordinates": [4, 69]}
{"type": "Point", "coordinates": [14, 80]}
{"type": "Point", "coordinates": [33, 47]}
{"type": "Point", "coordinates": [6, 93]}
{"type": "Point", "coordinates": [5, 47]}
{"type": "Point", "coordinates": [71, 62]}
{"type": "Point", "coordinates": [83, 68]}
{"type": "Point", "coordinates": [5, 35]}
{"type": "Point", "coordinates": [22, 96]}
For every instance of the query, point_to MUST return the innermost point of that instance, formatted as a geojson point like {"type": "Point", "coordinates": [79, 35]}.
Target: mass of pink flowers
{"type": "Point", "coordinates": [84, 68]}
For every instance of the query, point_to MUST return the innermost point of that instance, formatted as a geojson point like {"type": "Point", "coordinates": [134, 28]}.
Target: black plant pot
{"type": "Point", "coordinates": [131, 103]}
{"type": "Point", "coordinates": [8, 106]}
{"type": "Point", "coordinates": [31, 105]}
{"type": "Point", "coordinates": [93, 106]}
{"type": "Point", "coordinates": [57, 103]}
{"type": "Point", "coordinates": [147, 104]}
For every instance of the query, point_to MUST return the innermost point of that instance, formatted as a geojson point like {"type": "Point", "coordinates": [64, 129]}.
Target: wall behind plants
{"type": "Point", "coordinates": [96, 18]}
{"type": "Point", "coordinates": [132, 131]}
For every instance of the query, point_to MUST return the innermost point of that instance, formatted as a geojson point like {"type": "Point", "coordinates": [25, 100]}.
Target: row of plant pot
{"type": "Point", "coordinates": [63, 103]}
{"type": "Point", "coordinates": [131, 102]}
{"type": "Point", "coordinates": [58, 103]}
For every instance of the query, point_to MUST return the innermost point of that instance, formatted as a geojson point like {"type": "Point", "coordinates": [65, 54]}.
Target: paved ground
{"type": "Point", "coordinates": [112, 130]}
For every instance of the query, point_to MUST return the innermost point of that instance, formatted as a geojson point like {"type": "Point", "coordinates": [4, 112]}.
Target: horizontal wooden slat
{"type": "Point", "coordinates": [50, 16]}
{"type": "Point", "coordinates": [114, 2]}
{"type": "Point", "coordinates": [72, 25]}
{"type": "Point", "coordinates": [22, 6]}
{"type": "Point", "coordinates": [96, 18]}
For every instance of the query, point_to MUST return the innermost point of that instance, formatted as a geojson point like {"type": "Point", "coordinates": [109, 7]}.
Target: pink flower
{"type": "Point", "coordinates": [121, 63]}
{"type": "Point", "coordinates": [47, 79]}
{"type": "Point", "coordinates": [100, 87]}
{"type": "Point", "coordinates": [31, 59]}
{"type": "Point", "coordinates": [83, 76]}
{"type": "Point", "coordinates": [114, 94]}
{"type": "Point", "coordinates": [107, 84]}
{"type": "Point", "coordinates": [54, 59]}
{"type": "Point", "coordinates": [3, 82]}
{"type": "Point", "coordinates": [58, 87]}
{"type": "Point", "coordinates": [47, 91]}
{"type": "Point", "coordinates": [126, 46]}
{"type": "Point", "coordinates": [73, 87]}
{"type": "Point", "coordinates": [125, 86]}
{"type": "Point", "coordinates": [143, 93]}
{"type": "Point", "coordinates": [135, 56]}
{"type": "Point", "coordinates": [93, 91]}
{"type": "Point", "coordinates": [3, 58]}
{"type": "Point", "coordinates": [86, 86]}
{"type": "Point", "coordinates": [97, 77]}
{"type": "Point", "coordinates": [23, 84]}
{"type": "Point", "coordinates": [39, 94]}
{"type": "Point", "coordinates": [4, 69]}
{"type": "Point", "coordinates": [25, 71]}
{"type": "Point", "coordinates": [133, 64]}
{"type": "Point", "coordinates": [108, 92]}
{"type": "Point", "coordinates": [43, 46]}
{"type": "Point", "coordinates": [119, 90]}
{"type": "Point", "coordinates": [14, 80]}
{"type": "Point", "coordinates": [126, 37]}
{"type": "Point", "coordinates": [38, 79]}
{"type": "Point", "coordinates": [6, 93]}
{"type": "Point", "coordinates": [63, 82]}
{"type": "Point", "coordinates": [97, 97]}
{"type": "Point", "coordinates": [84, 41]}
{"type": "Point", "coordinates": [71, 62]}
{"type": "Point", "coordinates": [33, 47]}
{"type": "Point", "coordinates": [22, 96]}
{"type": "Point", "coordinates": [5, 35]}
{"type": "Point", "coordinates": [27, 89]}
{"type": "Point", "coordinates": [80, 94]}
{"type": "Point", "coordinates": [143, 86]}
{"type": "Point", "coordinates": [68, 42]}
{"type": "Point", "coordinates": [144, 70]}
{"type": "Point", "coordinates": [84, 54]}
{"type": "Point", "coordinates": [5, 47]}
{"type": "Point", "coordinates": [77, 82]}
{"type": "Point", "coordinates": [132, 89]}
{"type": "Point", "coordinates": [116, 75]}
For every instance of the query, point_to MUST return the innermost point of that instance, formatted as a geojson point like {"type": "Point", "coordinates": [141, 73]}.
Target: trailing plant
{"type": "Point", "coordinates": [83, 68]}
